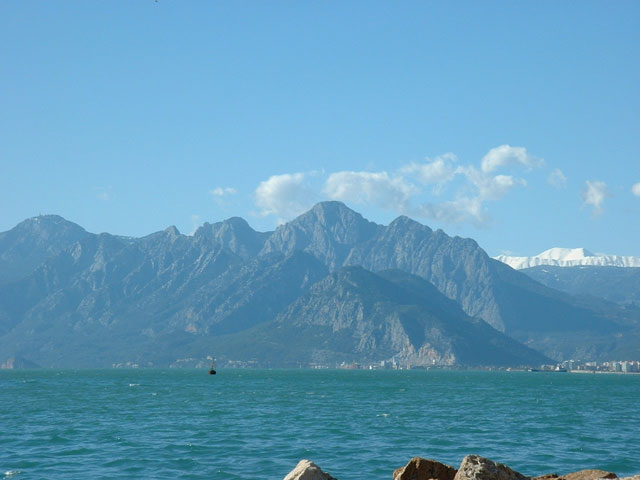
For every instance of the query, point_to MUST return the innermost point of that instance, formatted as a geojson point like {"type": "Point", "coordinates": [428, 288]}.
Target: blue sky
{"type": "Point", "coordinates": [514, 123]}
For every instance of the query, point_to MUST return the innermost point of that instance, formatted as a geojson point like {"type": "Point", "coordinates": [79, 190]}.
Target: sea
{"type": "Point", "coordinates": [257, 424]}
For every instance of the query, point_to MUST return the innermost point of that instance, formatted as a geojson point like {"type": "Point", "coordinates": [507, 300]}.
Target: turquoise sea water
{"type": "Point", "coordinates": [251, 424]}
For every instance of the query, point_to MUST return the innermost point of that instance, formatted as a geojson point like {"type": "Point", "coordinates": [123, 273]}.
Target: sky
{"type": "Point", "coordinates": [513, 123]}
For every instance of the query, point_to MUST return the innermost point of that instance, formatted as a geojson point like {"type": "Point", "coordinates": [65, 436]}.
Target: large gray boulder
{"type": "Point", "coordinates": [307, 470]}
{"type": "Point", "coordinates": [475, 467]}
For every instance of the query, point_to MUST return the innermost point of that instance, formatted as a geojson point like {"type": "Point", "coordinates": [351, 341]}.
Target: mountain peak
{"type": "Point", "coordinates": [558, 253]}
{"type": "Point", "coordinates": [47, 224]}
{"type": "Point", "coordinates": [172, 231]}
{"type": "Point", "coordinates": [235, 234]}
{"type": "Point", "coordinates": [328, 231]}
{"type": "Point", "coordinates": [332, 212]}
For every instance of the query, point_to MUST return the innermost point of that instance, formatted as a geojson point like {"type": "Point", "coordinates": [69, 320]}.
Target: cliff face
{"type": "Point", "coordinates": [354, 313]}
{"type": "Point", "coordinates": [70, 297]}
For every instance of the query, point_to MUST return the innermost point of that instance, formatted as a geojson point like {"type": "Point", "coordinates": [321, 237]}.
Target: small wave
{"type": "Point", "coordinates": [385, 415]}
{"type": "Point", "coordinates": [12, 473]}
{"type": "Point", "coordinates": [134, 384]}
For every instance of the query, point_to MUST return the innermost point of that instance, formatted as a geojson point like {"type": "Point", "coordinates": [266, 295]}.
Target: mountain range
{"type": "Point", "coordinates": [327, 287]}
{"type": "Point", "coordinates": [569, 257]}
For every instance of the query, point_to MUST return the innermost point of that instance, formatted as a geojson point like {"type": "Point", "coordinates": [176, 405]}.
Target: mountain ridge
{"type": "Point", "coordinates": [108, 299]}
{"type": "Point", "coordinates": [569, 257]}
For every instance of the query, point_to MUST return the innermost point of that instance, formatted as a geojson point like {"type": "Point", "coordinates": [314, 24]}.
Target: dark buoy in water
{"type": "Point", "coordinates": [212, 370]}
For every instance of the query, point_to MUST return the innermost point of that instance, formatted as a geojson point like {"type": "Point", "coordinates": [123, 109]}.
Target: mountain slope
{"type": "Point", "coordinates": [506, 299]}
{"type": "Point", "coordinates": [31, 242]}
{"type": "Point", "coordinates": [356, 315]}
{"type": "Point", "coordinates": [615, 284]}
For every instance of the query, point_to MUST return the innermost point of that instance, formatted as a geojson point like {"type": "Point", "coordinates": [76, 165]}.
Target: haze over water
{"type": "Point", "coordinates": [257, 424]}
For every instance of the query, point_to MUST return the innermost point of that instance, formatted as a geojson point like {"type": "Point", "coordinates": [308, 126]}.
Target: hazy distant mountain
{"type": "Point", "coordinates": [72, 298]}
{"type": "Point", "coordinates": [569, 257]}
{"type": "Point", "coordinates": [616, 284]}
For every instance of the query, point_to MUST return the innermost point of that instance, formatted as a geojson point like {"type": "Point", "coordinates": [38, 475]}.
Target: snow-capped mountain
{"type": "Point", "coordinates": [569, 257]}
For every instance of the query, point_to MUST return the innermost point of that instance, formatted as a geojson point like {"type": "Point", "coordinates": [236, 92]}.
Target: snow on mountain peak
{"type": "Point", "coordinates": [569, 257]}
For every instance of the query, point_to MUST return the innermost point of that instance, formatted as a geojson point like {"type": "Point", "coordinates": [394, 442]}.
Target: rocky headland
{"type": "Point", "coordinates": [473, 467]}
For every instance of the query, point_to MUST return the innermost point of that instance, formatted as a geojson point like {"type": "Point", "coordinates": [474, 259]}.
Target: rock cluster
{"type": "Point", "coordinates": [473, 467]}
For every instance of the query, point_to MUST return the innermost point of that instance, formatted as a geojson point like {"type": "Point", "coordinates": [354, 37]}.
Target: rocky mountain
{"type": "Point", "coordinates": [508, 300]}
{"type": "Point", "coordinates": [355, 314]}
{"type": "Point", "coordinates": [329, 231]}
{"type": "Point", "coordinates": [71, 298]}
{"type": "Point", "coordinates": [569, 257]}
{"type": "Point", "coordinates": [26, 246]}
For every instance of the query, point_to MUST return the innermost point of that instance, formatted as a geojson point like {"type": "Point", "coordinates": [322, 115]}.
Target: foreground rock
{"type": "Point", "coordinates": [475, 467]}
{"type": "Point", "coordinates": [307, 470]}
{"type": "Point", "coordinates": [424, 469]}
{"type": "Point", "coordinates": [589, 475]}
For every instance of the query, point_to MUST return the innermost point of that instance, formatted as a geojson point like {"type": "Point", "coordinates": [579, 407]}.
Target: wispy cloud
{"type": "Point", "coordinates": [104, 193]}
{"type": "Point", "coordinates": [223, 191]}
{"type": "Point", "coordinates": [636, 189]}
{"type": "Point", "coordinates": [594, 194]}
{"type": "Point", "coordinates": [470, 198]}
{"type": "Point", "coordinates": [196, 221]}
{"type": "Point", "coordinates": [557, 178]}
{"type": "Point", "coordinates": [223, 195]}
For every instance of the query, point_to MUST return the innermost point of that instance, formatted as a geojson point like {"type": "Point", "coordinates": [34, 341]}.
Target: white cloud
{"type": "Point", "coordinates": [505, 155]}
{"type": "Point", "coordinates": [410, 190]}
{"type": "Point", "coordinates": [285, 196]}
{"type": "Point", "coordinates": [370, 188]}
{"type": "Point", "coordinates": [469, 202]}
{"type": "Point", "coordinates": [490, 187]}
{"type": "Point", "coordinates": [636, 189]}
{"type": "Point", "coordinates": [439, 170]}
{"type": "Point", "coordinates": [479, 186]}
{"type": "Point", "coordinates": [222, 192]}
{"type": "Point", "coordinates": [595, 194]}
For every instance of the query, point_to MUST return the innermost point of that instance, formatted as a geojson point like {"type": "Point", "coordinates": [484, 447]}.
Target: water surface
{"type": "Point", "coordinates": [257, 424]}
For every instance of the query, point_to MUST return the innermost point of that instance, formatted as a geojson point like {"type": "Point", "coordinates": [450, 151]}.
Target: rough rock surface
{"type": "Point", "coordinates": [307, 470]}
{"type": "Point", "coordinates": [589, 475]}
{"type": "Point", "coordinates": [475, 467]}
{"type": "Point", "coordinates": [424, 469]}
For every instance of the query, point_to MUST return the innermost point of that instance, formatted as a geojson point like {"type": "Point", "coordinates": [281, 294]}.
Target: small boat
{"type": "Point", "coordinates": [212, 370]}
